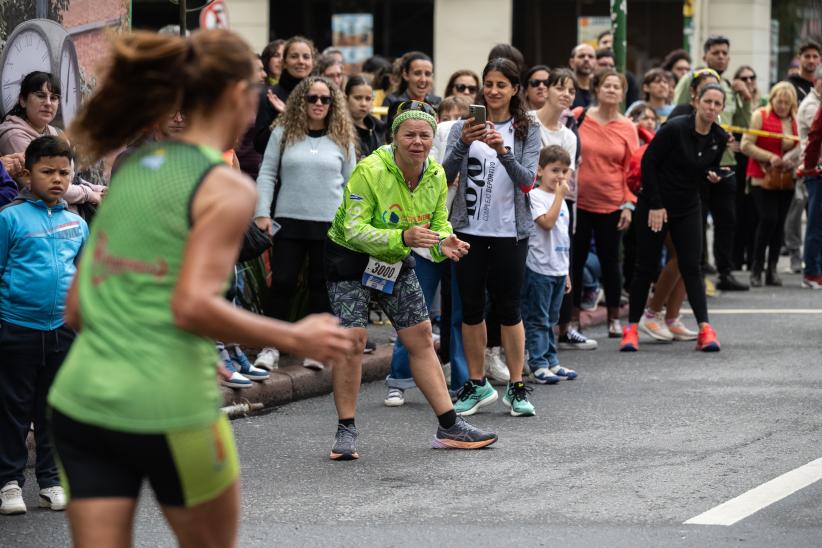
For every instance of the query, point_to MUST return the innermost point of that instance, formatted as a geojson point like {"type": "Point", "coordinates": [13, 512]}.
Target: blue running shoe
{"type": "Point", "coordinates": [471, 398]}
{"type": "Point", "coordinates": [516, 397]}
{"type": "Point", "coordinates": [544, 375]}
{"type": "Point", "coordinates": [246, 369]}
{"type": "Point", "coordinates": [563, 373]}
{"type": "Point", "coordinates": [230, 377]}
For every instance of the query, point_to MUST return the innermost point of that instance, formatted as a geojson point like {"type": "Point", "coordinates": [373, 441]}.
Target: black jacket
{"type": "Point", "coordinates": [266, 114]}
{"type": "Point", "coordinates": [673, 169]}
{"type": "Point", "coordinates": [802, 87]}
{"type": "Point", "coordinates": [370, 138]}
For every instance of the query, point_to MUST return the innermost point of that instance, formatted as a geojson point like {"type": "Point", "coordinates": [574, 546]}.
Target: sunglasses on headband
{"type": "Point", "coordinates": [416, 105]}
{"type": "Point", "coordinates": [710, 71]}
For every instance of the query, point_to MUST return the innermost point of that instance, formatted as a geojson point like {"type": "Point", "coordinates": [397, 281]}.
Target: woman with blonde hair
{"type": "Point", "coordinates": [309, 157]}
{"type": "Point", "coordinates": [770, 172]}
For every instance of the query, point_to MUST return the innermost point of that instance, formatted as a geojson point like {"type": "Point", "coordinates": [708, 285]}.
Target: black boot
{"type": "Point", "coordinates": [756, 278]}
{"type": "Point", "coordinates": [727, 282]}
{"type": "Point", "coordinates": [771, 277]}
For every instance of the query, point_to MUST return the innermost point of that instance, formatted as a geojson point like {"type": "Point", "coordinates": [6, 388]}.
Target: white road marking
{"type": "Point", "coordinates": [728, 311]}
{"type": "Point", "coordinates": [760, 497]}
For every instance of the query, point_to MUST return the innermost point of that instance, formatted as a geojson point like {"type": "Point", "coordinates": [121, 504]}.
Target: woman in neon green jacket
{"type": "Point", "coordinates": [394, 202]}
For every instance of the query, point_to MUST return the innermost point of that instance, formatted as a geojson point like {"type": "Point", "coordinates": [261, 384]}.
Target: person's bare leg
{"type": "Point", "coordinates": [665, 285]}
{"type": "Point", "coordinates": [425, 366]}
{"type": "Point", "coordinates": [101, 522]}
{"type": "Point", "coordinates": [613, 312]}
{"type": "Point", "coordinates": [474, 339]}
{"type": "Point", "coordinates": [212, 524]}
{"type": "Point", "coordinates": [347, 376]}
{"type": "Point", "coordinates": [674, 304]}
{"type": "Point", "coordinates": [513, 341]}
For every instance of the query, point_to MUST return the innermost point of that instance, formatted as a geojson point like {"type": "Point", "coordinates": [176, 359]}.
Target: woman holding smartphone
{"type": "Point", "coordinates": [496, 163]}
{"type": "Point", "coordinates": [684, 153]}
{"type": "Point", "coordinates": [310, 156]}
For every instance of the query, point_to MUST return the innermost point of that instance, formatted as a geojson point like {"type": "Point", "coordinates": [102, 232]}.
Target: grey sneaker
{"type": "Point", "coordinates": [345, 443]}
{"type": "Point", "coordinates": [462, 436]}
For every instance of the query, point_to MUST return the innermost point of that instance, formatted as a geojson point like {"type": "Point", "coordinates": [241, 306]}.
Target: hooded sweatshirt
{"type": "Point", "coordinates": [15, 136]}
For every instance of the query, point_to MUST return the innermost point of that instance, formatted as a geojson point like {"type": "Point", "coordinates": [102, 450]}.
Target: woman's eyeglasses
{"type": "Point", "coordinates": [462, 88]}
{"type": "Point", "coordinates": [416, 105]}
{"type": "Point", "coordinates": [323, 99]}
{"type": "Point", "coordinates": [535, 83]}
{"type": "Point", "coordinates": [751, 78]}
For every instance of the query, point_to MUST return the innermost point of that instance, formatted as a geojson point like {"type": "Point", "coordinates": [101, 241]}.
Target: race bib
{"type": "Point", "coordinates": [380, 275]}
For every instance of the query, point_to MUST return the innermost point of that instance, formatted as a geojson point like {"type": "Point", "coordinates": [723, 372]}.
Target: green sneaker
{"type": "Point", "coordinates": [472, 397]}
{"type": "Point", "coordinates": [516, 397]}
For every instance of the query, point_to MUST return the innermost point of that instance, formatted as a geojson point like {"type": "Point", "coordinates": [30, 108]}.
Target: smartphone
{"type": "Point", "coordinates": [477, 112]}
{"type": "Point", "coordinates": [275, 227]}
{"type": "Point", "coordinates": [726, 172]}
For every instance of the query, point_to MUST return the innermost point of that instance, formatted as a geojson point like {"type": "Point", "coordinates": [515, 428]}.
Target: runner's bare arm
{"type": "Point", "coordinates": [221, 211]}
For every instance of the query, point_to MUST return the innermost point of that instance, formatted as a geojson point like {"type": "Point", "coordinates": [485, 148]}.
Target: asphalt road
{"type": "Point", "coordinates": [622, 456]}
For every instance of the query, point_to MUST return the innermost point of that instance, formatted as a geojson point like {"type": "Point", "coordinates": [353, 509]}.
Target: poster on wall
{"type": "Point", "coordinates": [353, 33]}
{"type": "Point", "coordinates": [588, 28]}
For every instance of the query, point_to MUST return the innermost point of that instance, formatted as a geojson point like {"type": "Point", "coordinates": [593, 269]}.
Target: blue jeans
{"type": "Point", "coordinates": [592, 273]}
{"type": "Point", "coordinates": [541, 301]}
{"type": "Point", "coordinates": [813, 230]}
{"type": "Point", "coordinates": [429, 274]}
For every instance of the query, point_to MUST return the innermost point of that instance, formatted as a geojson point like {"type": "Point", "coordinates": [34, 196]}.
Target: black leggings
{"type": "Point", "coordinates": [287, 260]}
{"type": "Point", "coordinates": [686, 235]}
{"type": "Point", "coordinates": [771, 208]}
{"type": "Point", "coordinates": [568, 298]}
{"type": "Point", "coordinates": [603, 226]}
{"type": "Point", "coordinates": [499, 265]}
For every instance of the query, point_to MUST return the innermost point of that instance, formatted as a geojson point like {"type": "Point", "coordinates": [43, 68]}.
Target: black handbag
{"type": "Point", "coordinates": [255, 242]}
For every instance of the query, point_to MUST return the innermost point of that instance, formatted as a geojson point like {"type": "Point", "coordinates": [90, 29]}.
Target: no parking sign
{"type": "Point", "coordinates": [214, 16]}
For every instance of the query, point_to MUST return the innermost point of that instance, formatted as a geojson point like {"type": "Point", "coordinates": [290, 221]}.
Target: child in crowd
{"type": "Point", "coordinates": [450, 110]}
{"type": "Point", "coordinates": [40, 241]}
{"type": "Point", "coordinates": [546, 272]}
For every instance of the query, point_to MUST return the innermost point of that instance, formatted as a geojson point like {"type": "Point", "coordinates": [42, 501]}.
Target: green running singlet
{"type": "Point", "coordinates": [131, 368]}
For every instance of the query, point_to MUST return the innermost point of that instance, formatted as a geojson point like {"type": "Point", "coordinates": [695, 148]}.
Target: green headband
{"type": "Point", "coordinates": [413, 115]}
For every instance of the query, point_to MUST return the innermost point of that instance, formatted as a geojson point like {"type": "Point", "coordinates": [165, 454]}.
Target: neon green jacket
{"type": "Point", "coordinates": [377, 206]}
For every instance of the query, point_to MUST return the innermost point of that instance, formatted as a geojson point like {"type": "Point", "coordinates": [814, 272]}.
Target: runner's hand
{"type": "Point", "coordinates": [420, 236]}
{"type": "Point", "coordinates": [264, 224]}
{"type": "Point", "coordinates": [454, 248]}
{"type": "Point", "coordinates": [472, 131]}
{"type": "Point", "coordinates": [713, 177]}
{"type": "Point", "coordinates": [624, 219]}
{"type": "Point", "coordinates": [320, 337]}
{"type": "Point", "coordinates": [656, 218]}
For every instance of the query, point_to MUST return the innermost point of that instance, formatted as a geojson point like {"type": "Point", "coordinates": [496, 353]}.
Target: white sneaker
{"type": "Point", "coordinates": [53, 498]}
{"type": "Point", "coordinates": [614, 329]}
{"type": "Point", "coordinates": [495, 368]}
{"type": "Point", "coordinates": [655, 326]}
{"type": "Point", "coordinates": [236, 381]}
{"type": "Point", "coordinates": [11, 499]}
{"type": "Point", "coordinates": [681, 333]}
{"type": "Point", "coordinates": [268, 358]}
{"type": "Point", "coordinates": [395, 398]}
{"type": "Point", "coordinates": [574, 340]}
{"type": "Point", "coordinates": [314, 365]}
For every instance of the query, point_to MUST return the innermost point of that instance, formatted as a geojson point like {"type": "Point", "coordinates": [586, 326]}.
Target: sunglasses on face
{"type": "Point", "coordinates": [535, 83]}
{"type": "Point", "coordinates": [462, 88]}
{"type": "Point", "coordinates": [416, 105]}
{"type": "Point", "coordinates": [323, 99]}
{"type": "Point", "coordinates": [751, 78]}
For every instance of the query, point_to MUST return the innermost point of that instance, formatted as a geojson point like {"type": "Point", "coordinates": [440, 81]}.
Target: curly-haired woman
{"type": "Point", "coordinates": [310, 156]}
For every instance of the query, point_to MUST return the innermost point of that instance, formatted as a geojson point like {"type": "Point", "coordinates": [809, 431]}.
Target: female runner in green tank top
{"type": "Point", "coordinates": [137, 397]}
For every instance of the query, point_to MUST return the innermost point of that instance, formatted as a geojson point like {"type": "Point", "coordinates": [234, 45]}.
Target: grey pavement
{"type": "Point", "coordinates": [622, 456]}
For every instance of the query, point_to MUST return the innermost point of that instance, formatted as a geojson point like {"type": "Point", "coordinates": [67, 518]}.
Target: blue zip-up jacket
{"type": "Point", "coordinates": [39, 248]}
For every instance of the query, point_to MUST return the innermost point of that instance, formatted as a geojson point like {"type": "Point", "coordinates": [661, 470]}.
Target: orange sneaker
{"type": "Point", "coordinates": [707, 341]}
{"type": "Point", "coordinates": [630, 338]}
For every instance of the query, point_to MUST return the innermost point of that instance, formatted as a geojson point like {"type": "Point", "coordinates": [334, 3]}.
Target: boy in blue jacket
{"type": "Point", "coordinates": [40, 241]}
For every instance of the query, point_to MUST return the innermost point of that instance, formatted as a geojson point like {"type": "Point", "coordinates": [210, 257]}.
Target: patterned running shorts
{"type": "Point", "coordinates": [405, 307]}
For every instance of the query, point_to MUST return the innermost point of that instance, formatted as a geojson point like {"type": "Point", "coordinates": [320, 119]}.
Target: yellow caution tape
{"type": "Point", "coordinates": [758, 132]}
{"type": "Point", "coordinates": [379, 111]}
